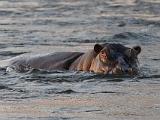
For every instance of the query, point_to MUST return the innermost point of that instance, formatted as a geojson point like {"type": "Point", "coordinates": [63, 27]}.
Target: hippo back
{"type": "Point", "coordinates": [52, 61]}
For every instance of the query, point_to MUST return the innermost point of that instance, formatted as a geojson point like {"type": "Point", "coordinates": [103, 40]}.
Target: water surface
{"type": "Point", "coordinates": [46, 26]}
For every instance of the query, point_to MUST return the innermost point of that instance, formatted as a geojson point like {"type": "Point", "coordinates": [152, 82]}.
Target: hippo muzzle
{"type": "Point", "coordinates": [122, 67]}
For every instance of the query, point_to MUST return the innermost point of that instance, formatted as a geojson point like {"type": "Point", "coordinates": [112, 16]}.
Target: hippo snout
{"type": "Point", "coordinates": [124, 67]}
{"type": "Point", "coordinates": [130, 71]}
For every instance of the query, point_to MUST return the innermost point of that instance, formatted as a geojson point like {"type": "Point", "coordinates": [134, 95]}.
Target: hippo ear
{"type": "Point", "coordinates": [133, 52]}
{"type": "Point", "coordinates": [137, 49]}
{"type": "Point", "coordinates": [97, 48]}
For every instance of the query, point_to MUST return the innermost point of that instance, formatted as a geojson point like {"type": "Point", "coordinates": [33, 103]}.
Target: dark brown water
{"type": "Point", "coordinates": [43, 26]}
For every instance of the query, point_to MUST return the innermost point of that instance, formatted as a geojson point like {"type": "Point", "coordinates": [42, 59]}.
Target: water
{"type": "Point", "coordinates": [43, 26]}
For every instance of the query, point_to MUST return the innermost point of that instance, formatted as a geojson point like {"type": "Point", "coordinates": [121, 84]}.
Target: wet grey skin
{"type": "Point", "coordinates": [103, 58]}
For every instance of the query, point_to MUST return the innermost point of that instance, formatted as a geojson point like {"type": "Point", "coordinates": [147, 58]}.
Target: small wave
{"type": "Point", "coordinates": [151, 6]}
{"type": "Point", "coordinates": [156, 59]}
{"type": "Point", "coordinates": [53, 91]}
{"type": "Point", "coordinates": [10, 53]}
{"type": "Point", "coordinates": [6, 87]}
{"type": "Point", "coordinates": [50, 77]}
{"type": "Point", "coordinates": [3, 87]}
{"type": "Point", "coordinates": [112, 92]}
{"type": "Point", "coordinates": [148, 76]}
{"type": "Point", "coordinates": [131, 35]}
{"type": "Point", "coordinates": [39, 118]}
{"type": "Point", "coordinates": [84, 40]}
{"type": "Point", "coordinates": [3, 46]}
{"type": "Point", "coordinates": [5, 12]}
{"type": "Point", "coordinates": [48, 22]}
{"type": "Point", "coordinates": [69, 91]}
{"type": "Point", "coordinates": [143, 22]}
{"type": "Point", "coordinates": [41, 71]}
{"type": "Point", "coordinates": [124, 37]}
{"type": "Point", "coordinates": [54, 76]}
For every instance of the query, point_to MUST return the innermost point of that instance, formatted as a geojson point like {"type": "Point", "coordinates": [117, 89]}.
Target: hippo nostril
{"type": "Point", "coordinates": [126, 71]}
{"type": "Point", "coordinates": [131, 71]}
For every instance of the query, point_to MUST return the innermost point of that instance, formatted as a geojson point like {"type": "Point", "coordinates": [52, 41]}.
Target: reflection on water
{"type": "Point", "coordinates": [43, 26]}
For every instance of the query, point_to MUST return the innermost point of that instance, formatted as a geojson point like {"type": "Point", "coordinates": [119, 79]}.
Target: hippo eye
{"type": "Point", "coordinates": [102, 52]}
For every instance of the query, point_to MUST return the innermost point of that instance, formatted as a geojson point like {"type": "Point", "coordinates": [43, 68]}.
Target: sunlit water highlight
{"type": "Point", "coordinates": [45, 26]}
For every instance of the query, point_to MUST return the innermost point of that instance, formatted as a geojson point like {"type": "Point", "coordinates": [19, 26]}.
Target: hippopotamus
{"type": "Point", "coordinates": [102, 59]}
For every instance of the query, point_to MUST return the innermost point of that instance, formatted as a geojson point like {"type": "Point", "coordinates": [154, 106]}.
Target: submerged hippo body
{"type": "Point", "coordinates": [105, 59]}
{"type": "Point", "coordinates": [52, 61]}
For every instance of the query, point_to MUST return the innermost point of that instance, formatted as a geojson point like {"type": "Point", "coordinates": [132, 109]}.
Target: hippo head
{"type": "Point", "coordinates": [117, 59]}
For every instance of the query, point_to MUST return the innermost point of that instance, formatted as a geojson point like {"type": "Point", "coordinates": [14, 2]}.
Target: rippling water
{"type": "Point", "coordinates": [43, 26]}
